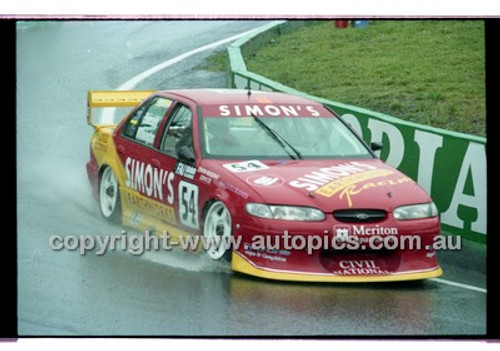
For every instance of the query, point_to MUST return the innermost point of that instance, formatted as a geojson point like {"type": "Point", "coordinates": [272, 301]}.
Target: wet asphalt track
{"type": "Point", "coordinates": [171, 293]}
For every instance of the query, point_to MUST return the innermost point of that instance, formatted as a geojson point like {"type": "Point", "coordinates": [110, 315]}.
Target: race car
{"type": "Point", "coordinates": [298, 191]}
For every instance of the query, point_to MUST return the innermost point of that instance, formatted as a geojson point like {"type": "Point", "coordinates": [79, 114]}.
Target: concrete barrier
{"type": "Point", "coordinates": [451, 166]}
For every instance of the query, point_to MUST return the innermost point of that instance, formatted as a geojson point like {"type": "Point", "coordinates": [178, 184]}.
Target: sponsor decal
{"type": "Point", "coordinates": [341, 180]}
{"type": "Point", "coordinates": [145, 205]}
{"type": "Point", "coordinates": [184, 170]}
{"type": "Point", "coordinates": [230, 187]}
{"type": "Point", "coordinates": [101, 142]}
{"type": "Point", "coordinates": [353, 189]}
{"type": "Point", "coordinates": [270, 254]}
{"type": "Point", "coordinates": [280, 252]}
{"type": "Point", "coordinates": [149, 180]}
{"type": "Point", "coordinates": [314, 180]}
{"type": "Point", "coordinates": [246, 166]}
{"type": "Point", "coordinates": [337, 186]}
{"type": "Point", "coordinates": [359, 267]}
{"type": "Point", "coordinates": [188, 204]}
{"type": "Point", "coordinates": [342, 231]}
{"type": "Point", "coordinates": [375, 230]}
{"type": "Point", "coordinates": [203, 178]}
{"type": "Point", "coordinates": [208, 173]}
{"type": "Point", "coordinates": [273, 258]}
{"type": "Point", "coordinates": [268, 180]}
{"type": "Point", "coordinates": [267, 110]}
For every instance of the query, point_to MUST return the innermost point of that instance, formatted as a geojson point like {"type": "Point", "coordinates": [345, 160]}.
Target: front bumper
{"type": "Point", "coordinates": [333, 265]}
{"type": "Point", "coordinates": [241, 264]}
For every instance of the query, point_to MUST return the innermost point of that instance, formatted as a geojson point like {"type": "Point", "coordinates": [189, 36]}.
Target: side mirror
{"type": "Point", "coordinates": [186, 154]}
{"type": "Point", "coordinates": [376, 146]}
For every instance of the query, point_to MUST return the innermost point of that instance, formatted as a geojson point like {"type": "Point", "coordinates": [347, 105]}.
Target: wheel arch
{"type": "Point", "coordinates": [115, 170]}
{"type": "Point", "coordinates": [206, 206]}
{"type": "Point", "coordinates": [204, 210]}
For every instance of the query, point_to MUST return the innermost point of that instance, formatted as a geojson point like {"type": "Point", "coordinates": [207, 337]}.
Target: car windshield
{"type": "Point", "coordinates": [279, 138]}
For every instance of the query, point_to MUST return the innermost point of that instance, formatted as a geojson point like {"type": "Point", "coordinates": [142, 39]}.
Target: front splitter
{"type": "Point", "coordinates": [241, 264]}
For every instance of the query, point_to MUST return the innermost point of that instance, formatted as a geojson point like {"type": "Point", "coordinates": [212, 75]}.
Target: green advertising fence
{"type": "Point", "coordinates": [451, 166]}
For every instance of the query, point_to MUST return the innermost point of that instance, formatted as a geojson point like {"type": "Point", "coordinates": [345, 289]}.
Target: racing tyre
{"type": "Point", "coordinates": [109, 196]}
{"type": "Point", "coordinates": [217, 227]}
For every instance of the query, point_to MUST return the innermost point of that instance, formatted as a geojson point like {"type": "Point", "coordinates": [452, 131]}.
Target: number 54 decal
{"type": "Point", "coordinates": [246, 166]}
{"type": "Point", "coordinates": [188, 204]}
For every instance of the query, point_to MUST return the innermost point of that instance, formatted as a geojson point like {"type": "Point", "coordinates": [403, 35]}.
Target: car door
{"type": "Point", "coordinates": [176, 142]}
{"type": "Point", "coordinates": [148, 190]}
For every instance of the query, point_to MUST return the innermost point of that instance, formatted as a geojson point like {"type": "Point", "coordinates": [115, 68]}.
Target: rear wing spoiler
{"type": "Point", "coordinates": [113, 98]}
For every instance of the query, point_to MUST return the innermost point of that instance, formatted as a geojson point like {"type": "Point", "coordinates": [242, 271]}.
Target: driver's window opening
{"type": "Point", "coordinates": [179, 132]}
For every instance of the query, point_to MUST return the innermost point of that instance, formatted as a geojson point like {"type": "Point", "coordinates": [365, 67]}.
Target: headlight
{"type": "Point", "coordinates": [416, 211]}
{"type": "Point", "coordinates": [287, 213]}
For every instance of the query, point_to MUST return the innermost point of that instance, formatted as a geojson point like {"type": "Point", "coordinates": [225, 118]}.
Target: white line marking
{"type": "Point", "coordinates": [459, 285]}
{"type": "Point", "coordinates": [107, 114]}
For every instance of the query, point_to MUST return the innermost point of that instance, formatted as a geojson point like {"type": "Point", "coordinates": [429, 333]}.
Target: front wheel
{"type": "Point", "coordinates": [109, 196]}
{"type": "Point", "coordinates": [217, 230]}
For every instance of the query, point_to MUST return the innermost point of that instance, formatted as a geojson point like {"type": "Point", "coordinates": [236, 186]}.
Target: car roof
{"type": "Point", "coordinates": [236, 96]}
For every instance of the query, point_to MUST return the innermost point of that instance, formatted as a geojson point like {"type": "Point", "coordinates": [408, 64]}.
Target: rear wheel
{"type": "Point", "coordinates": [217, 228]}
{"type": "Point", "coordinates": [109, 196]}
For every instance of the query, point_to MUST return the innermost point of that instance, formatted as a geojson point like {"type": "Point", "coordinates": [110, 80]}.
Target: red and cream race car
{"type": "Point", "coordinates": [301, 196]}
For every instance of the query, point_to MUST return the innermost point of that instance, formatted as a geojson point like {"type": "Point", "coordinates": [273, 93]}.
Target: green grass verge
{"type": "Point", "coordinates": [215, 62]}
{"type": "Point", "coordinates": [430, 72]}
